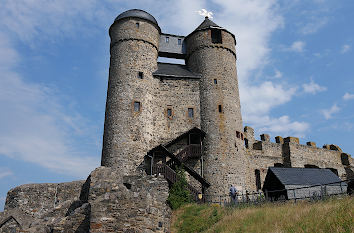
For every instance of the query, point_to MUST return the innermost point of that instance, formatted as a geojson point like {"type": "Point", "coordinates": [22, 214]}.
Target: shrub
{"type": "Point", "coordinates": [179, 193]}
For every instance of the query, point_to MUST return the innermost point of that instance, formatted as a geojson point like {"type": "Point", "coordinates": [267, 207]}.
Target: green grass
{"type": "Point", "coordinates": [333, 215]}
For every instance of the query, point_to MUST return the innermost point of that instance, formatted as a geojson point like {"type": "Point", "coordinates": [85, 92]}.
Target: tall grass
{"type": "Point", "coordinates": [333, 215]}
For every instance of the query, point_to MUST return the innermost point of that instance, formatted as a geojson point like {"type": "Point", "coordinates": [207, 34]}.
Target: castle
{"type": "Point", "coordinates": [158, 116]}
{"type": "Point", "coordinates": [151, 104]}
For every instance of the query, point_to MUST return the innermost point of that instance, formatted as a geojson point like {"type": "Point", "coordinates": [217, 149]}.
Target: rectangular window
{"type": "Point", "coordinates": [167, 39]}
{"type": "Point", "coordinates": [216, 36]}
{"type": "Point", "coordinates": [220, 108]}
{"type": "Point", "coordinates": [136, 106]}
{"type": "Point", "coordinates": [190, 112]}
{"type": "Point", "coordinates": [237, 134]}
{"type": "Point", "coordinates": [141, 75]}
{"type": "Point", "coordinates": [179, 41]}
{"type": "Point", "coordinates": [137, 25]}
{"type": "Point", "coordinates": [215, 81]}
{"type": "Point", "coordinates": [169, 112]}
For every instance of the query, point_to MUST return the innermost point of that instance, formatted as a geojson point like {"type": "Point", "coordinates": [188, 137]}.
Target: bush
{"type": "Point", "coordinates": [179, 193]}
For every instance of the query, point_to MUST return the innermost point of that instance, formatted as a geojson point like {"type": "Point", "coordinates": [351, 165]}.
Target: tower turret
{"type": "Point", "coordinates": [211, 52]}
{"type": "Point", "coordinates": [135, 37]}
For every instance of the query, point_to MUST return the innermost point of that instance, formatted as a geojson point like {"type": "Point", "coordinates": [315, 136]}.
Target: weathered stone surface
{"type": "Point", "coordinates": [127, 204]}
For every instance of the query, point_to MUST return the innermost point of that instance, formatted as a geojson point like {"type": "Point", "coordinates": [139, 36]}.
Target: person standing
{"type": "Point", "coordinates": [233, 193]}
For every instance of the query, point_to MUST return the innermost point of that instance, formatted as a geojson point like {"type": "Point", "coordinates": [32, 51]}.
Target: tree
{"type": "Point", "coordinates": [179, 193]}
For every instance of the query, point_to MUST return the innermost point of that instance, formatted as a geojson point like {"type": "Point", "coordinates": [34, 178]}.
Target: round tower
{"type": "Point", "coordinates": [128, 127]}
{"type": "Point", "coordinates": [211, 52]}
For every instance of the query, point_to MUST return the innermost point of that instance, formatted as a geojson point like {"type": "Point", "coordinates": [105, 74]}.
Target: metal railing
{"type": "Point", "coordinates": [311, 193]}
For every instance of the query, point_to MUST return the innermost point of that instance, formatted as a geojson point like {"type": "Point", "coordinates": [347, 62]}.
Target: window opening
{"type": "Point", "coordinates": [194, 139]}
{"type": "Point", "coordinates": [220, 108]}
{"type": "Point", "coordinates": [246, 143]}
{"type": "Point", "coordinates": [216, 36]}
{"type": "Point", "coordinates": [141, 75]}
{"type": "Point", "coordinates": [169, 112]}
{"type": "Point", "coordinates": [237, 134]}
{"type": "Point", "coordinates": [190, 112]}
{"type": "Point", "coordinates": [310, 166]}
{"type": "Point", "coordinates": [278, 165]}
{"type": "Point", "coordinates": [242, 136]}
{"type": "Point", "coordinates": [258, 179]}
{"type": "Point", "coordinates": [136, 106]}
{"type": "Point", "coordinates": [167, 39]}
{"type": "Point", "coordinates": [215, 81]}
{"type": "Point", "coordinates": [137, 25]}
{"type": "Point", "coordinates": [179, 41]}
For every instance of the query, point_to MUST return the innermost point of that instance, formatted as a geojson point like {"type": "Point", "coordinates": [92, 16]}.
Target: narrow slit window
{"type": "Point", "coordinates": [246, 143]}
{"type": "Point", "coordinates": [242, 136]}
{"type": "Point", "coordinates": [216, 36]}
{"type": "Point", "coordinates": [137, 106]}
{"type": "Point", "coordinates": [169, 112]}
{"type": "Point", "coordinates": [137, 25]}
{"type": "Point", "coordinates": [167, 39]}
{"type": "Point", "coordinates": [220, 108]}
{"type": "Point", "coordinates": [215, 81]}
{"type": "Point", "coordinates": [141, 75]}
{"type": "Point", "coordinates": [190, 112]}
{"type": "Point", "coordinates": [179, 41]}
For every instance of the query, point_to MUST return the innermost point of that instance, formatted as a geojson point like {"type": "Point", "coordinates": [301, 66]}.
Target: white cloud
{"type": "Point", "coordinates": [313, 25]}
{"type": "Point", "coordinates": [348, 96]}
{"type": "Point", "coordinates": [328, 113]}
{"type": "Point", "coordinates": [345, 48]}
{"type": "Point", "coordinates": [278, 74]}
{"type": "Point", "coordinates": [4, 172]}
{"type": "Point", "coordinates": [313, 87]}
{"type": "Point", "coordinates": [296, 46]}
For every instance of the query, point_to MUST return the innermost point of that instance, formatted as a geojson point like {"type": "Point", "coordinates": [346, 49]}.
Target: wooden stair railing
{"type": "Point", "coordinates": [191, 151]}
{"type": "Point", "coordinates": [171, 176]}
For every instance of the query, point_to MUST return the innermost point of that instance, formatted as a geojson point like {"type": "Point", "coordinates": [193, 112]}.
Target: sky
{"type": "Point", "coordinates": [295, 61]}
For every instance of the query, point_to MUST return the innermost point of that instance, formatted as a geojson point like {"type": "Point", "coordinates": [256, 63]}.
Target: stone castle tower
{"type": "Point", "coordinates": [172, 114]}
{"type": "Point", "coordinates": [140, 116]}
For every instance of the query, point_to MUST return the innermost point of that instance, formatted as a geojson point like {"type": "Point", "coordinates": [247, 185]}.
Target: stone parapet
{"type": "Point", "coordinates": [292, 140]}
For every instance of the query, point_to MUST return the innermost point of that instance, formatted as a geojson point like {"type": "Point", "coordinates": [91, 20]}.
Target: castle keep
{"type": "Point", "coordinates": [160, 116]}
{"type": "Point", "coordinates": [156, 109]}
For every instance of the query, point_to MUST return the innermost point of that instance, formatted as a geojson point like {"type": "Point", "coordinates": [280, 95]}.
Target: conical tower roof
{"type": "Point", "coordinates": [207, 23]}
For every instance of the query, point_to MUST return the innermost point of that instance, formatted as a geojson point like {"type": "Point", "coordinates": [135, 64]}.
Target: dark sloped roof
{"type": "Point", "coordinates": [174, 70]}
{"type": "Point", "coordinates": [136, 13]}
{"type": "Point", "coordinates": [207, 23]}
{"type": "Point", "coordinates": [185, 134]}
{"type": "Point", "coordinates": [304, 176]}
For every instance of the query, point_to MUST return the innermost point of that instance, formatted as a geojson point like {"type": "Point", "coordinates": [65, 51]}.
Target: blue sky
{"type": "Point", "coordinates": [295, 61]}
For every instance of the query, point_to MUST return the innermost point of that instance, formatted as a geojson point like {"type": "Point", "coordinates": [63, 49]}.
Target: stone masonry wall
{"type": "Point", "coordinates": [129, 134]}
{"type": "Point", "coordinates": [178, 94]}
{"type": "Point", "coordinates": [262, 154]}
{"type": "Point", "coordinates": [223, 151]}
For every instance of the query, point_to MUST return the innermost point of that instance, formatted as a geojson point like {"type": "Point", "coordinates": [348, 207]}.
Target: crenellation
{"type": "Point", "coordinates": [311, 144]}
{"type": "Point", "coordinates": [279, 139]}
{"type": "Point", "coordinates": [265, 137]}
{"type": "Point", "coordinates": [160, 115]}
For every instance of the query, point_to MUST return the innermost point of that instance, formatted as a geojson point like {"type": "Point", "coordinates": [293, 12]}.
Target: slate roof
{"type": "Point", "coordinates": [137, 13]}
{"type": "Point", "coordinates": [174, 71]}
{"type": "Point", "coordinates": [304, 176]}
{"type": "Point", "coordinates": [207, 23]}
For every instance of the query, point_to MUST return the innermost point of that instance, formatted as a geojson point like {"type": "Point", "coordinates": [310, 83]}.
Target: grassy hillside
{"type": "Point", "coordinates": [334, 215]}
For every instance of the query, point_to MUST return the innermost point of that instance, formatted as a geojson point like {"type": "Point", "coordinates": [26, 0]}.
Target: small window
{"type": "Point", "coordinates": [179, 41]}
{"type": "Point", "coordinates": [136, 106]}
{"type": "Point", "coordinates": [141, 75]}
{"type": "Point", "coordinates": [215, 81]}
{"type": "Point", "coordinates": [190, 112]}
{"type": "Point", "coordinates": [220, 108]}
{"type": "Point", "coordinates": [167, 39]}
{"type": "Point", "coordinates": [216, 36]}
{"type": "Point", "coordinates": [237, 134]}
{"type": "Point", "coordinates": [242, 136]}
{"type": "Point", "coordinates": [246, 143]}
{"type": "Point", "coordinates": [169, 112]}
{"type": "Point", "coordinates": [137, 25]}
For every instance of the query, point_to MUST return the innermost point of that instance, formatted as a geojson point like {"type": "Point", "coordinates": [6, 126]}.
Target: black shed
{"type": "Point", "coordinates": [298, 183]}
